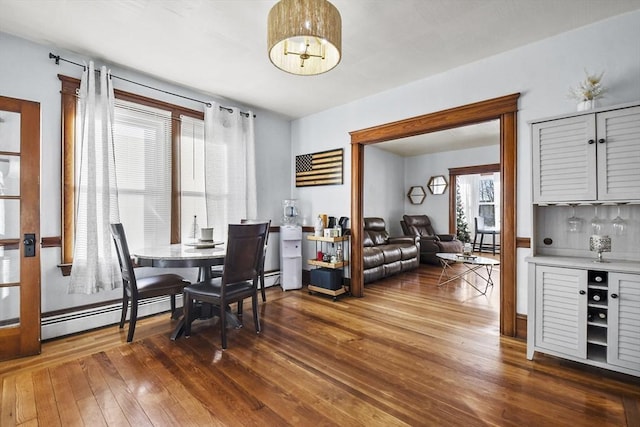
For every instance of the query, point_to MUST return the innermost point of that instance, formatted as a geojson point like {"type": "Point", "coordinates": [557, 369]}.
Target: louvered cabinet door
{"type": "Point", "coordinates": [624, 321]}
{"type": "Point", "coordinates": [564, 159]}
{"type": "Point", "coordinates": [561, 310]}
{"type": "Point", "coordinates": [618, 153]}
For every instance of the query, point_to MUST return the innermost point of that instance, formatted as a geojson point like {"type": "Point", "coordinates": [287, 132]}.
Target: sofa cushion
{"type": "Point", "coordinates": [379, 237]}
{"type": "Point", "coordinates": [372, 257]}
{"type": "Point", "coordinates": [409, 252]}
{"type": "Point", "coordinates": [452, 246]}
{"type": "Point", "coordinates": [392, 268]}
{"type": "Point", "coordinates": [373, 274]}
{"type": "Point", "coordinates": [419, 225]}
{"type": "Point", "coordinates": [392, 253]}
{"type": "Point", "coordinates": [409, 264]}
{"type": "Point", "coordinates": [367, 241]}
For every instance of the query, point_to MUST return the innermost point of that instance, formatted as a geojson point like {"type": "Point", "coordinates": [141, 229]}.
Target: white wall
{"type": "Point", "coordinates": [26, 72]}
{"type": "Point", "coordinates": [384, 187]}
{"type": "Point", "coordinates": [542, 72]}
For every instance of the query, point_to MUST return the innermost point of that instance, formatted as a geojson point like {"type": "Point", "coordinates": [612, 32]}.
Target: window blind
{"type": "Point", "coordinates": [142, 138]}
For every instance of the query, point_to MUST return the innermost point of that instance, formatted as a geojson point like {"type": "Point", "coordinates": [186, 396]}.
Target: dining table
{"type": "Point", "coordinates": [201, 255]}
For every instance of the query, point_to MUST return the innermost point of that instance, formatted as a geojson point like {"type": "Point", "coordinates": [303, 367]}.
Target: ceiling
{"type": "Point", "coordinates": [219, 47]}
{"type": "Point", "coordinates": [460, 138]}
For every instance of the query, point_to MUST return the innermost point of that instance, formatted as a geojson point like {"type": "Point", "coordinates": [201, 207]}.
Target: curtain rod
{"type": "Point", "coordinates": [58, 58]}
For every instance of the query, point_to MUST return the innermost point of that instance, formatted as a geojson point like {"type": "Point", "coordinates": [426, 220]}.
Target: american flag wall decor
{"type": "Point", "coordinates": [322, 168]}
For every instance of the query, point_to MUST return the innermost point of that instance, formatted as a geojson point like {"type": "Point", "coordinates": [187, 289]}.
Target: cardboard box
{"type": "Point", "coordinates": [326, 278]}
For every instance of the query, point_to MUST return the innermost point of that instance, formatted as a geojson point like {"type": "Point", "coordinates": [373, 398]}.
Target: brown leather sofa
{"type": "Point", "coordinates": [430, 242]}
{"type": "Point", "coordinates": [384, 255]}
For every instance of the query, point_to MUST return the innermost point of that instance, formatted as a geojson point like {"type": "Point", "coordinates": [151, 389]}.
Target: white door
{"type": "Point", "coordinates": [561, 310]}
{"type": "Point", "coordinates": [618, 152]}
{"type": "Point", "coordinates": [624, 320]}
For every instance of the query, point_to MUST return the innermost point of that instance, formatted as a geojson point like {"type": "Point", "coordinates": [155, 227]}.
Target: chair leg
{"type": "Point", "coordinates": [256, 319]}
{"type": "Point", "coordinates": [223, 325]}
{"type": "Point", "coordinates": [133, 319]}
{"type": "Point", "coordinates": [481, 242]}
{"type": "Point", "coordinates": [475, 237]}
{"type": "Point", "coordinates": [239, 311]}
{"type": "Point", "coordinates": [125, 307]}
{"type": "Point", "coordinates": [173, 306]}
{"type": "Point", "coordinates": [186, 307]}
{"type": "Point", "coordinates": [494, 243]}
{"type": "Point", "coordinates": [262, 290]}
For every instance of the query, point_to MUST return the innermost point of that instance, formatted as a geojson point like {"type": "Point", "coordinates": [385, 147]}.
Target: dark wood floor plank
{"type": "Point", "coordinates": [207, 366]}
{"type": "Point", "coordinates": [126, 400]}
{"type": "Point", "coordinates": [186, 407]}
{"type": "Point", "coordinates": [85, 399]}
{"type": "Point", "coordinates": [296, 392]}
{"type": "Point", "coordinates": [65, 400]}
{"type": "Point", "coordinates": [105, 399]}
{"type": "Point", "coordinates": [8, 402]}
{"type": "Point", "coordinates": [144, 386]}
{"type": "Point", "coordinates": [25, 402]}
{"type": "Point", "coordinates": [45, 401]}
{"type": "Point", "coordinates": [408, 353]}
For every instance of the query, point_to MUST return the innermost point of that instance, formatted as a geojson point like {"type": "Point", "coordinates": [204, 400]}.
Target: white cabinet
{"type": "Point", "coordinates": [561, 310]}
{"type": "Point", "coordinates": [586, 315]}
{"type": "Point", "coordinates": [587, 157]}
{"type": "Point", "coordinates": [624, 320]}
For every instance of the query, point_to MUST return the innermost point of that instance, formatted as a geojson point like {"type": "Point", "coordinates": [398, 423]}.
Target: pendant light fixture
{"type": "Point", "coordinates": [304, 36]}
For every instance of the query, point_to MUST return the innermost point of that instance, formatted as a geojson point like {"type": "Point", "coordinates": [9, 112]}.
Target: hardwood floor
{"type": "Point", "coordinates": [414, 354]}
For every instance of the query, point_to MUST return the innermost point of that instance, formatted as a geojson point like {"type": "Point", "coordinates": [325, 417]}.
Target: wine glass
{"type": "Point", "coordinates": [619, 224]}
{"type": "Point", "coordinates": [574, 223]}
{"type": "Point", "coordinates": [597, 224]}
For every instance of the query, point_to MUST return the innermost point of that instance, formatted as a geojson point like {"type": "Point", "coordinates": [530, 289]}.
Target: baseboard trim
{"type": "Point", "coordinates": [521, 326]}
{"type": "Point", "coordinates": [97, 317]}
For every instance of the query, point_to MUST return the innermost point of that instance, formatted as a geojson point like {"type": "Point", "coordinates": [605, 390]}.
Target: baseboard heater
{"type": "Point", "coordinates": [98, 317]}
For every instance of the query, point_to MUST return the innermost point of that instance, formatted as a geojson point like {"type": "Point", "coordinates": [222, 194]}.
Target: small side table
{"type": "Point", "coordinates": [473, 264]}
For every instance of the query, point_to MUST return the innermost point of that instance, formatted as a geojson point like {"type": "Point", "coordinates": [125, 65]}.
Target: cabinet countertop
{"type": "Point", "coordinates": [622, 266]}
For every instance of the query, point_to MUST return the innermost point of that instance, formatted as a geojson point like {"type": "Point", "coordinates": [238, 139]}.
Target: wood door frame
{"type": "Point", "coordinates": [24, 339]}
{"type": "Point", "coordinates": [505, 109]}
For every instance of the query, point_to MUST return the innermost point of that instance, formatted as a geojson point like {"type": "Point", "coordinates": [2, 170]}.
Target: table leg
{"type": "Point", "coordinates": [470, 268]}
{"type": "Point", "coordinates": [446, 265]}
{"type": "Point", "coordinates": [206, 311]}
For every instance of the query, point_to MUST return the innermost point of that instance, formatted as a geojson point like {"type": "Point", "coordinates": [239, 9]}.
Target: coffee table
{"type": "Point", "coordinates": [474, 264]}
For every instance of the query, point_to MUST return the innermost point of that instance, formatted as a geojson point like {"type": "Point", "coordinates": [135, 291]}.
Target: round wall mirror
{"type": "Point", "coordinates": [437, 184]}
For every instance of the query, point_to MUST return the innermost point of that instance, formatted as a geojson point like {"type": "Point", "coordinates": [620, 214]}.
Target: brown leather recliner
{"type": "Point", "coordinates": [430, 242]}
{"type": "Point", "coordinates": [384, 256]}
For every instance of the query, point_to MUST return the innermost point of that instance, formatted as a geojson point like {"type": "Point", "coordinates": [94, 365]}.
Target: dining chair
{"type": "Point", "coordinates": [138, 289]}
{"type": "Point", "coordinates": [264, 255]}
{"type": "Point", "coordinates": [217, 271]}
{"type": "Point", "coordinates": [481, 230]}
{"type": "Point", "coordinates": [239, 279]}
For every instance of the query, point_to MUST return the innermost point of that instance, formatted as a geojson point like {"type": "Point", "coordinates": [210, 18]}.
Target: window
{"type": "Point", "coordinates": [142, 139]}
{"type": "Point", "coordinates": [192, 194]}
{"type": "Point", "coordinates": [487, 200]}
{"type": "Point", "coordinates": [160, 178]}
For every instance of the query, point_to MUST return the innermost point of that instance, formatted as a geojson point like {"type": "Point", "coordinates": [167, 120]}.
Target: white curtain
{"type": "Point", "coordinates": [230, 172]}
{"type": "Point", "coordinates": [95, 267]}
{"type": "Point", "coordinates": [469, 195]}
